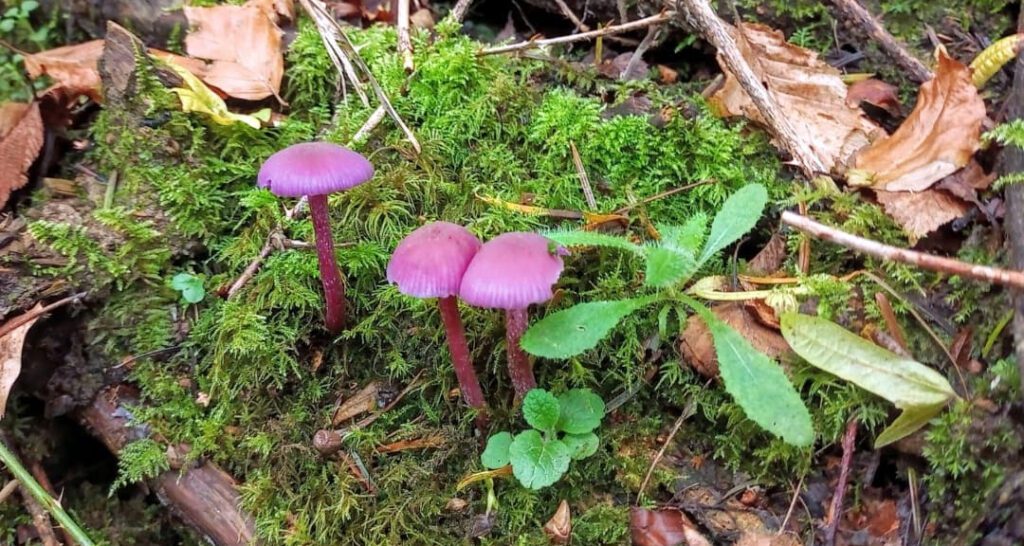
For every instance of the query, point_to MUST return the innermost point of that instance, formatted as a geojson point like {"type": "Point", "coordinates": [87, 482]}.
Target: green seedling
{"type": "Point", "coordinates": [190, 286]}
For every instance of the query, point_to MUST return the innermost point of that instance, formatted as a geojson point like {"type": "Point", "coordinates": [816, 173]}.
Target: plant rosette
{"type": "Point", "coordinates": [562, 431]}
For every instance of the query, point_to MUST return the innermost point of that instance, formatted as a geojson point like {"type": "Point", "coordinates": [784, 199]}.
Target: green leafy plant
{"type": "Point", "coordinates": [563, 431]}
{"type": "Point", "coordinates": [918, 390]}
{"type": "Point", "coordinates": [190, 286]}
{"type": "Point", "coordinates": [757, 383]}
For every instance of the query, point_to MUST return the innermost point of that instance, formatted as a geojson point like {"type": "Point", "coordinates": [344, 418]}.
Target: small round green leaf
{"type": "Point", "coordinates": [541, 409]}
{"type": "Point", "coordinates": [495, 455]}
{"type": "Point", "coordinates": [581, 446]}
{"type": "Point", "coordinates": [537, 462]}
{"type": "Point", "coordinates": [581, 411]}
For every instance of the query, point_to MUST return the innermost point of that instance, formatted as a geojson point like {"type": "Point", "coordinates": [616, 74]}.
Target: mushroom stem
{"type": "Point", "coordinates": [519, 368]}
{"type": "Point", "coordinates": [461, 360]}
{"type": "Point", "coordinates": [334, 286]}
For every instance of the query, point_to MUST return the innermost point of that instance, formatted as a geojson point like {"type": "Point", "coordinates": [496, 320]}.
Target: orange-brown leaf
{"type": "Point", "coordinates": [920, 213]}
{"type": "Point", "coordinates": [939, 137]}
{"type": "Point", "coordinates": [73, 67]}
{"type": "Point", "coordinates": [698, 347]}
{"type": "Point", "coordinates": [21, 138]}
{"type": "Point", "coordinates": [10, 358]}
{"type": "Point", "coordinates": [810, 91]}
{"type": "Point", "coordinates": [876, 93]}
{"type": "Point", "coordinates": [243, 45]}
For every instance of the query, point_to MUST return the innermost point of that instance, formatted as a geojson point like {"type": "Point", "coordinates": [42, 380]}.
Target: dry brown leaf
{"type": "Point", "coordinates": [939, 137]}
{"type": "Point", "coordinates": [876, 93]}
{"type": "Point", "coordinates": [920, 213]}
{"type": "Point", "coordinates": [559, 528]}
{"type": "Point", "coordinates": [73, 67]}
{"type": "Point", "coordinates": [810, 91]}
{"type": "Point", "coordinates": [359, 403]}
{"type": "Point", "coordinates": [698, 348]}
{"type": "Point", "coordinates": [662, 527]}
{"type": "Point", "coordinates": [771, 258]}
{"type": "Point", "coordinates": [426, 442]}
{"type": "Point", "coordinates": [275, 9]}
{"type": "Point", "coordinates": [21, 138]}
{"type": "Point", "coordinates": [767, 539]}
{"type": "Point", "coordinates": [243, 45]}
{"type": "Point", "coordinates": [10, 358]}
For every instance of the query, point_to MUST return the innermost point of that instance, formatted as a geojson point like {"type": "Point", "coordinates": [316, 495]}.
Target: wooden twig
{"type": "Point", "coordinates": [660, 18]}
{"type": "Point", "coordinates": [638, 53]}
{"type": "Point", "coordinates": [40, 519]}
{"type": "Point", "coordinates": [294, 213]}
{"type": "Point", "coordinates": [688, 411]}
{"type": "Point", "coordinates": [8, 489]}
{"type": "Point", "coordinates": [567, 12]}
{"type": "Point", "coordinates": [1012, 161]}
{"type": "Point", "coordinates": [19, 320]}
{"type": "Point", "coordinates": [458, 12]}
{"type": "Point", "coordinates": [39, 473]}
{"type": "Point", "coordinates": [404, 40]}
{"type": "Point", "coordinates": [835, 509]}
{"type": "Point", "coordinates": [699, 15]}
{"type": "Point", "coordinates": [581, 172]}
{"type": "Point", "coordinates": [852, 12]}
{"type": "Point", "coordinates": [792, 506]}
{"type": "Point", "coordinates": [903, 255]}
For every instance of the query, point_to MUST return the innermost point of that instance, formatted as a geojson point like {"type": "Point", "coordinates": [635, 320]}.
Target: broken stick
{"type": "Point", "coordinates": [852, 11]}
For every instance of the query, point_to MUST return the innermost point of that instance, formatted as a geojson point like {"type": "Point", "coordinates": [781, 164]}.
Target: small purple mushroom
{"type": "Point", "coordinates": [429, 263]}
{"type": "Point", "coordinates": [316, 169]}
{"type": "Point", "coordinates": [511, 272]}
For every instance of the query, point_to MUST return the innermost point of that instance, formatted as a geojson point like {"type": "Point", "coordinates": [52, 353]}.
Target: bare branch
{"type": "Point", "coordinates": [606, 31]}
{"type": "Point", "coordinates": [404, 41]}
{"type": "Point", "coordinates": [852, 11]}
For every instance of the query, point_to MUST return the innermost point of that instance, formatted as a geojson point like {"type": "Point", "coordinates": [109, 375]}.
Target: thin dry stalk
{"type": "Point", "coordinates": [581, 172]}
{"type": "Point", "coordinates": [404, 40]}
{"type": "Point", "coordinates": [19, 320]}
{"type": "Point", "coordinates": [567, 12]}
{"type": "Point", "coordinates": [835, 509]}
{"type": "Point", "coordinates": [638, 54]}
{"type": "Point", "coordinates": [328, 34]}
{"type": "Point", "coordinates": [852, 11]}
{"type": "Point", "coordinates": [8, 490]}
{"type": "Point", "coordinates": [919, 259]}
{"type": "Point", "coordinates": [699, 15]}
{"type": "Point", "coordinates": [792, 505]}
{"type": "Point", "coordinates": [688, 411]}
{"type": "Point", "coordinates": [660, 18]}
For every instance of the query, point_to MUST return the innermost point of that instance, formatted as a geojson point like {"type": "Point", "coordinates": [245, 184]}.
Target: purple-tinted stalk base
{"type": "Point", "coordinates": [334, 286]}
{"type": "Point", "coordinates": [519, 368]}
{"type": "Point", "coordinates": [468, 382]}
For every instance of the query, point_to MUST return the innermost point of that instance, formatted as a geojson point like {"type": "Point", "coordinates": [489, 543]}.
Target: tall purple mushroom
{"type": "Point", "coordinates": [429, 263]}
{"type": "Point", "coordinates": [317, 169]}
{"type": "Point", "coordinates": [511, 272]}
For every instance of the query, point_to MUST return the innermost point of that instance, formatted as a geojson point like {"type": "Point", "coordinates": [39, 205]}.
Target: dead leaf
{"type": "Point", "coordinates": [361, 402]}
{"type": "Point", "coordinates": [243, 45]}
{"type": "Point", "coordinates": [667, 75]}
{"type": "Point", "coordinates": [559, 527]}
{"type": "Point", "coordinates": [73, 67]}
{"type": "Point", "coordinates": [426, 442]}
{"type": "Point", "coordinates": [922, 212]}
{"type": "Point", "coordinates": [939, 137]}
{"type": "Point", "coordinates": [808, 89]}
{"type": "Point", "coordinates": [766, 539]}
{"type": "Point", "coordinates": [21, 139]}
{"type": "Point", "coordinates": [876, 93]}
{"type": "Point", "coordinates": [275, 9]}
{"type": "Point", "coordinates": [663, 527]}
{"type": "Point", "coordinates": [10, 357]}
{"type": "Point", "coordinates": [771, 258]}
{"type": "Point", "coordinates": [197, 97]}
{"type": "Point", "coordinates": [698, 348]}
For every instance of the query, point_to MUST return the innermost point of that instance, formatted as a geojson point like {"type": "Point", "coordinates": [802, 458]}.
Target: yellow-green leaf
{"type": "Point", "coordinates": [197, 97]}
{"type": "Point", "coordinates": [907, 423]}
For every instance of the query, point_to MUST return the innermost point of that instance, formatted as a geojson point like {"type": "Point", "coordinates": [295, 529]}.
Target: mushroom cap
{"type": "Point", "coordinates": [430, 261]}
{"type": "Point", "coordinates": [512, 271]}
{"type": "Point", "coordinates": [313, 168]}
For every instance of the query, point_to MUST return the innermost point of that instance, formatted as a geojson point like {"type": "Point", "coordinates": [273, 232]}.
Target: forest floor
{"type": "Point", "coordinates": [769, 256]}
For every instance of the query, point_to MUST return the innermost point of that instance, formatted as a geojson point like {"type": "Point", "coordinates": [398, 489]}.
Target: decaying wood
{"type": "Point", "coordinates": [918, 259]}
{"type": "Point", "coordinates": [851, 10]}
{"type": "Point", "coordinates": [699, 15]}
{"type": "Point", "coordinates": [205, 496]}
{"type": "Point", "coordinates": [1012, 161]}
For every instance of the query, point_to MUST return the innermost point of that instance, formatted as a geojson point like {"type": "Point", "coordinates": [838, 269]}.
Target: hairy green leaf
{"type": "Point", "coordinates": [571, 331]}
{"type": "Point", "coordinates": [591, 238]}
{"type": "Point", "coordinates": [737, 216]}
{"type": "Point", "coordinates": [581, 411]}
{"type": "Point", "coordinates": [688, 236]}
{"type": "Point", "coordinates": [537, 462]}
{"type": "Point", "coordinates": [666, 266]}
{"type": "Point", "coordinates": [581, 446]}
{"type": "Point", "coordinates": [758, 384]}
{"type": "Point", "coordinates": [541, 410]}
{"type": "Point", "coordinates": [902, 381]}
{"type": "Point", "coordinates": [495, 455]}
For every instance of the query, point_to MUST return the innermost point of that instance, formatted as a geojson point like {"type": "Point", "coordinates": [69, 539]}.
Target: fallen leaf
{"type": "Point", "coordinates": [73, 67]}
{"type": "Point", "coordinates": [667, 75]}
{"type": "Point", "coordinates": [939, 136]}
{"type": "Point", "coordinates": [559, 528]}
{"type": "Point", "coordinates": [771, 258]}
{"type": "Point", "coordinates": [663, 527]}
{"type": "Point", "coordinates": [243, 45]}
{"type": "Point", "coordinates": [767, 539]}
{"type": "Point", "coordinates": [361, 402]}
{"type": "Point", "coordinates": [920, 213]}
{"type": "Point", "coordinates": [876, 93]}
{"type": "Point", "coordinates": [422, 19]}
{"type": "Point", "coordinates": [197, 97]}
{"type": "Point", "coordinates": [21, 139]}
{"type": "Point", "coordinates": [275, 9]}
{"type": "Point", "coordinates": [698, 347]}
{"type": "Point", "coordinates": [10, 358]}
{"type": "Point", "coordinates": [426, 442]}
{"type": "Point", "coordinates": [810, 91]}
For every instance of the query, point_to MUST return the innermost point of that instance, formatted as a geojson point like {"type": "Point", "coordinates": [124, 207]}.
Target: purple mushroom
{"type": "Point", "coordinates": [511, 272]}
{"type": "Point", "coordinates": [429, 263]}
{"type": "Point", "coordinates": [316, 169]}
